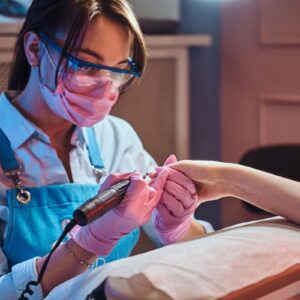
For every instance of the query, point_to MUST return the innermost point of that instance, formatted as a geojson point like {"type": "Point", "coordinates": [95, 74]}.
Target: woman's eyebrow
{"type": "Point", "coordinates": [97, 55]}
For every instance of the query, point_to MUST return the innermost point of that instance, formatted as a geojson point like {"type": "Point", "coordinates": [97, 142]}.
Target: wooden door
{"type": "Point", "coordinates": [260, 81]}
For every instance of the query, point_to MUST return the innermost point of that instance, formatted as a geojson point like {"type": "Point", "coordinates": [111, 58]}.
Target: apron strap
{"type": "Point", "coordinates": [11, 166]}
{"type": "Point", "coordinates": [95, 154]}
{"type": "Point", "coordinates": [12, 169]}
{"type": "Point", "coordinates": [7, 158]}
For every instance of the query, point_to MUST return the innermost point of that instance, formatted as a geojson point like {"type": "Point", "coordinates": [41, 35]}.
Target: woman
{"type": "Point", "coordinates": [272, 193]}
{"type": "Point", "coordinates": [72, 60]}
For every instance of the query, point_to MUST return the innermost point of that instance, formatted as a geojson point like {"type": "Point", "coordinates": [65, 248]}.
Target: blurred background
{"type": "Point", "coordinates": [222, 80]}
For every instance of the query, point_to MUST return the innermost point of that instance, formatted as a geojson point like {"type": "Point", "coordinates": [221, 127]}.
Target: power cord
{"type": "Point", "coordinates": [28, 290]}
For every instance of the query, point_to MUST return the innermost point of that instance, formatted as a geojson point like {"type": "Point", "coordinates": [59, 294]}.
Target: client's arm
{"type": "Point", "coordinates": [272, 193]}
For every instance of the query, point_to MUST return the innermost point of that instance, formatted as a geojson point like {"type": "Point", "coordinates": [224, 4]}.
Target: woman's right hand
{"type": "Point", "coordinates": [101, 235]}
{"type": "Point", "coordinates": [208, 177]}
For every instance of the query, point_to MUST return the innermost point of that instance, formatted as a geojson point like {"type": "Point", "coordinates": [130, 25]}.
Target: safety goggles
{"type": "Point", "coordinates": [89, 75]}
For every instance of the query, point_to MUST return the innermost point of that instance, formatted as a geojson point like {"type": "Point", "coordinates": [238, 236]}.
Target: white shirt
{"type": "Point", "coordinates": [121, 150]}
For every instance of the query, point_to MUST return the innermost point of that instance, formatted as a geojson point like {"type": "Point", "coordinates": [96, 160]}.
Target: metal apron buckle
{"type": "Point", "coordinates": [23, 196]}
{"type": "Point", "coordinates": [99, 173]}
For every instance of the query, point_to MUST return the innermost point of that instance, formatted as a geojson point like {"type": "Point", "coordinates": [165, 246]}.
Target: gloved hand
{"type": "Point", "coordinates": [174, 213]}
{"type": "Point", "coordinates": [101, 235]}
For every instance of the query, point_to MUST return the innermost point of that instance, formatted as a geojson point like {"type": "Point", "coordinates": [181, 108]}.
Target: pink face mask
{"type": "Point", "coordinates": [84, 107]}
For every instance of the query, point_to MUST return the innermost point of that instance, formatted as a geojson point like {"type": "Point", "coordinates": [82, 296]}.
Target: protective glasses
{"type": "Point", "coordinates": [89, 75]}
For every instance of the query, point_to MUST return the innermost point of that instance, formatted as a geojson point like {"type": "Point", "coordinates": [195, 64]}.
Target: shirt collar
{"type": "Point", "coordinates": [79, 137]}
{"type": "Point", "coordinates": [14, 125]}
{"type": "Point", "coordinates": [21, 129]}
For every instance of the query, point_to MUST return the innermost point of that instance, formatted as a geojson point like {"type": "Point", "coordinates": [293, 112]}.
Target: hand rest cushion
{"type": "Point", "coordinates": [212, 266]}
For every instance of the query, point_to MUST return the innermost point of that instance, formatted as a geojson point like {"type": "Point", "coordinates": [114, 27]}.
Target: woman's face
{"type": "Point", "coordinates": [88, 88]}
{"type": "Point", "coordinates": [106, 42]}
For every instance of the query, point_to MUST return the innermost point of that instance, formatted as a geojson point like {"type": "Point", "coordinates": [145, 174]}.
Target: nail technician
{"type": "Point", "coordinates": [72, 60]}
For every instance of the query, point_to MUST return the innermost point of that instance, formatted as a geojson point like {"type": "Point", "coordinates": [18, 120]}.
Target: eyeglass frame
{"type": "Point", "coordinates": [81, 63]}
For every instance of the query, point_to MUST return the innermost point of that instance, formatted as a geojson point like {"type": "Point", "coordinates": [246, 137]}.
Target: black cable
{"type": "Point", "coordinates": [98, 293]}
{"type": "Point", "coordinates": [28, 289]}
{"type": "Point", "coordinates": [86, 213]}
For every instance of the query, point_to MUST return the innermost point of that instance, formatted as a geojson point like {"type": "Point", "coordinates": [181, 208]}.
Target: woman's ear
{"type": "Point", "coordinates": [31, 44]}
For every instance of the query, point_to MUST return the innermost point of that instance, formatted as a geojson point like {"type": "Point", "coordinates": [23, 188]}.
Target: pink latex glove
{"type": "Point", "coordinates": [101, 235]}
{"type": "Point", "coordinates": [174, 213]}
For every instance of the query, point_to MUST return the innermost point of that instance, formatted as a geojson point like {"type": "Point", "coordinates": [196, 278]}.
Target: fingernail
{"type": "Point", "coordinates": [172, 156]}
{"type": "Point", "coordinates": [136, 175]}
{"type": "Point", "coordinates": [163, 171]}
{"type": "Point", "coordinates": [159, 169]}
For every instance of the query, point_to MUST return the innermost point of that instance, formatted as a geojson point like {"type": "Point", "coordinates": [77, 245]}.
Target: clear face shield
{"type": "Point", "coordinates": [85, 77]}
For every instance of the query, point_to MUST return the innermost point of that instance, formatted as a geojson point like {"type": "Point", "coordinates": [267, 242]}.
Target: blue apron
{"type": "Point", "coordinates": [34, 227]}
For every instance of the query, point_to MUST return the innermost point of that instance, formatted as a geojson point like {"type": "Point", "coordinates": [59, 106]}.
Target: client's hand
{"type": "Point", "coordinates": [174, 213]}
{"type": "Point", "coordinates": [211, 178]}
{"type": "Point", "coordinates": [100, 236]}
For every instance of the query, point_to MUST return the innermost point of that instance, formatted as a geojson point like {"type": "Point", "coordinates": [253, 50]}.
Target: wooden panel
{"type": "Point", "coordinates": [249, 70]}
{"type": "Point", "coordinates": [280, 22]}
{"type": "Point", "coordinates": [171, 41]}
{"type": "Point", "coordinates": [279, 120]}
{"type": "Point", "coordinates": [7, 42]}
{"type": "Point", "coordinates": [158, 107]}
{"type": "Point", "coordinates": [4, 72]}
{"type": "Point", "coordinates": [149, 108]}
{"type": "Point", "coordinates": [252, 68]}
{"type": "Point", "coordinates": [10, 25]}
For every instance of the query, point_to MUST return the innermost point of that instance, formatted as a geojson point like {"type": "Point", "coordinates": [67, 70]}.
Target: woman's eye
{"type": "Point", "coordinates": [86, 70]}
{"type": "Point", "coordinates": [123, 67]}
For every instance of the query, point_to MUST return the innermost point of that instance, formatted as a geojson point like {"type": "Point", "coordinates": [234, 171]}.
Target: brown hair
{"type": "Point", "coordinates": [72, 16]}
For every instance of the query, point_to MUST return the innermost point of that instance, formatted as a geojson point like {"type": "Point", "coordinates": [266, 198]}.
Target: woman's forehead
{"type": "Point", "coordinates": [103, 32]}
{"type": "Point", "coordinates": [104, 37]}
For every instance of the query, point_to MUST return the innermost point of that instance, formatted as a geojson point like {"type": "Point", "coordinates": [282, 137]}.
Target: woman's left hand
{"type": "Point", "coordinates": [174, 213]}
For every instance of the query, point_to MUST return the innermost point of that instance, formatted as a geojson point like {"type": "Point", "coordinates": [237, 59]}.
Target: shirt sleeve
{"type": "Point", "coordinates": [122, 149]}
{"type": "Point", "coordinates": [206, 225]}
{"type": "Point", "coordinates": [143, 160]}
{"type": "Point", "coordinates": [12, 284]}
